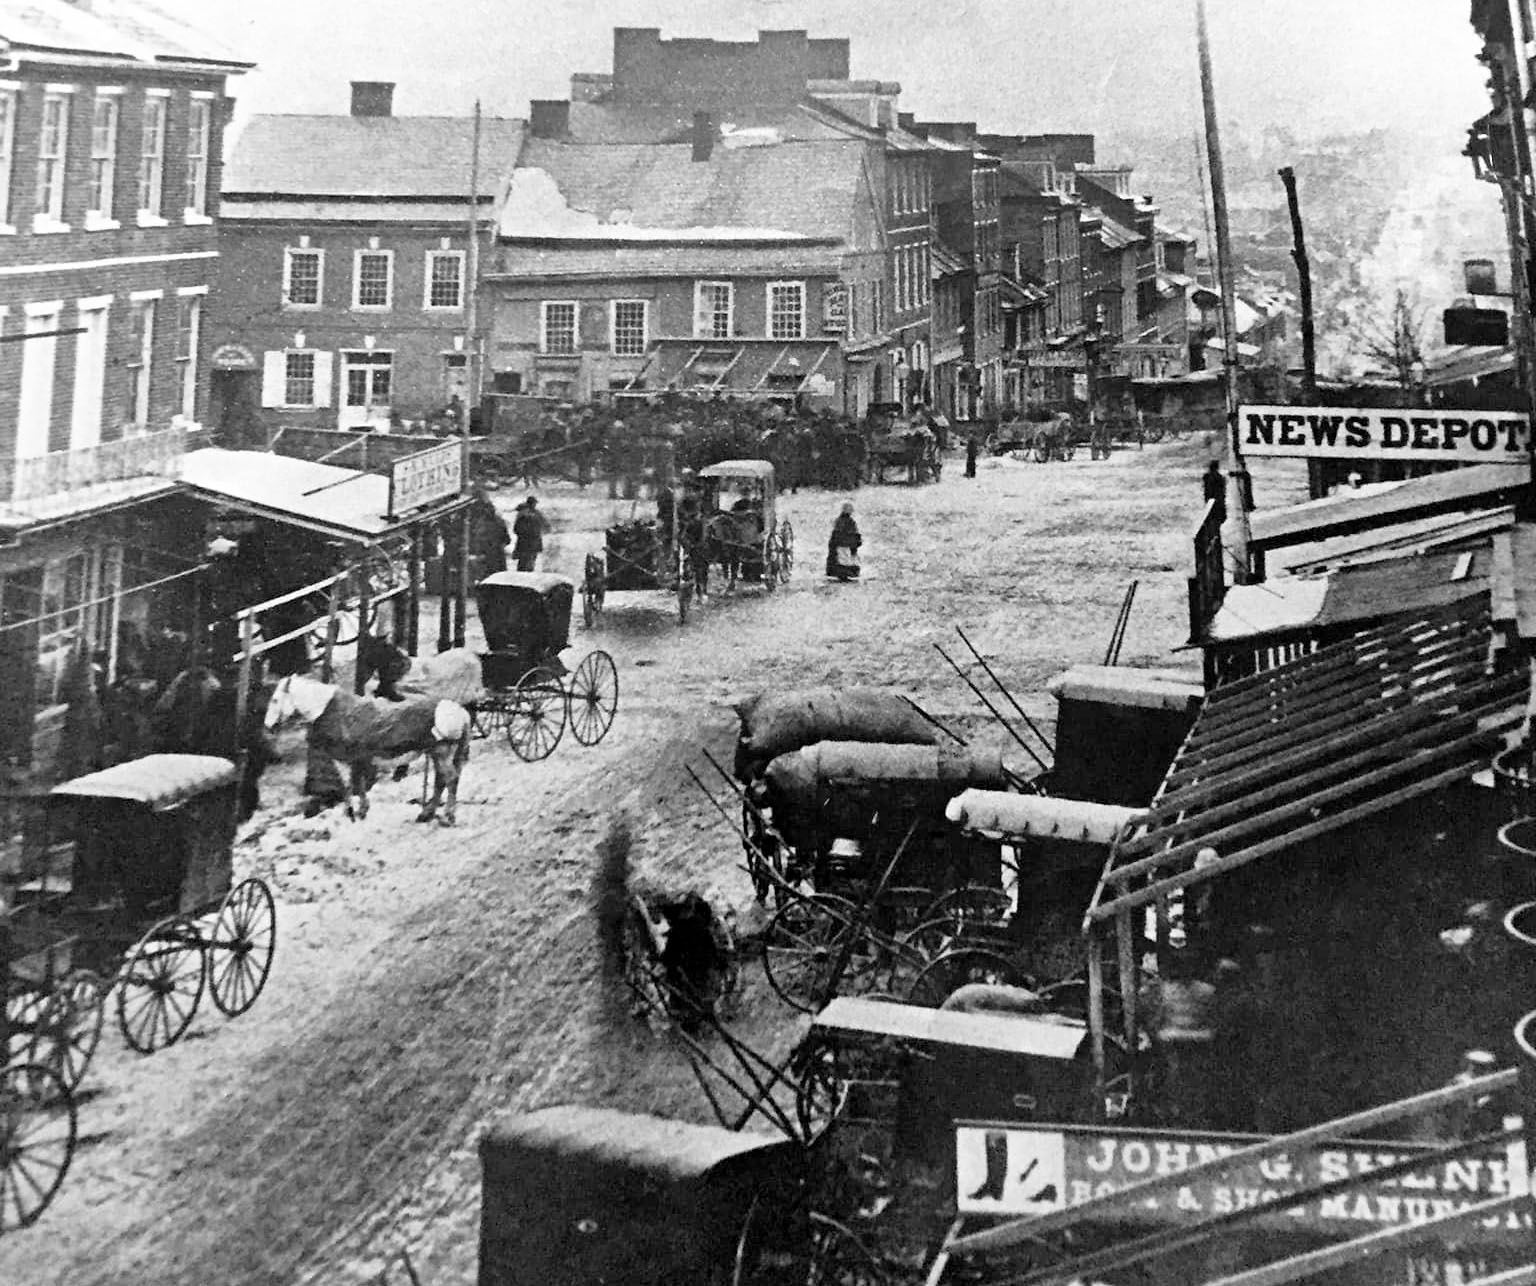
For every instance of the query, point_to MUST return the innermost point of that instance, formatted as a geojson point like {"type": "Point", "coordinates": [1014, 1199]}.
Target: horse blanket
{"type": "Point", "coordinates": [453, 675]}
{"type": "Point", "coordinates": [367, 728]}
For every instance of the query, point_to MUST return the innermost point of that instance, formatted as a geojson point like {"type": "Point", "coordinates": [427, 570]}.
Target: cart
{"type": "Point", "coordinates": [527, 693]}
{"type": "Point", "coordinates": [743, 531]}
{"type": "Point", "coordinates": [638, 556]}
{"type": "Point", "coordinates": [130, 894]}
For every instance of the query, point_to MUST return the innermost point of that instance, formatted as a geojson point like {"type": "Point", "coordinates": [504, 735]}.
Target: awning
{"type": "Point", "coordinates": [341, 503]}
{"type": "Point", "coordinates": [160, 781]}
{"type": "Point", "coordinates": [1125, 685]}
{"type": "Point", "coordinates": [1016, 1034]}
{"type": "Point", "coordinates": [1116, 236]}
{"type": "Point", "coordinates": [1007, 815]}
{"type": "Point", "coordinates": [1469, 365]}
{"type": "Point", "coordinates": [1348, 731]}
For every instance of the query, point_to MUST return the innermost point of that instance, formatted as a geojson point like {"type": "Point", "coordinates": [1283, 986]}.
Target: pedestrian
{"type": "Point", "coordinates": [843, 546]}
{"type": "Point", "coordinates": [1215, 487]}
{"type": "Point", "coordinates": [489, 533]}
{"type": "Point", "coordinates": [528, 529]}
{"type": "Point", "coordinates": [1181, 1020]}
{"type": "Point", "coordinates": [970, 455]}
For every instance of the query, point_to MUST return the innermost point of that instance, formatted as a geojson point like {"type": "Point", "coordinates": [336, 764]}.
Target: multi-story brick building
{"type": "Point", "coordinates": [1042, 218]}
{"type": "Point", "coordinates": [341, 300]}
{"type": "Point", "coordinates": [111, 126]}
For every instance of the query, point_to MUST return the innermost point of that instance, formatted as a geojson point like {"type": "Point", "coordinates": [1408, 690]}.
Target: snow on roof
{"type": "Point", "coordinates": [316, 495]}
{"type": "Point", "coordinates": [787, 192]}
{"type": "Point", "coordinates": [116, 29]}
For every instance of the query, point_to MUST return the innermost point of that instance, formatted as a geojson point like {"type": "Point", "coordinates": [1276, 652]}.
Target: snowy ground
{"type": "Point", "coordinates": [427, 979]}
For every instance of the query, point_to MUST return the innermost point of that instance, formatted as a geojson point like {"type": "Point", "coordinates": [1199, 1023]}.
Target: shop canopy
{"type": "Point", "coordinates": [344, 504]}
{"type": "Point", "coordinates": [1343, 733]}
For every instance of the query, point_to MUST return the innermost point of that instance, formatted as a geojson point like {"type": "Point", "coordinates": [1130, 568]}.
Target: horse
{"type": "Point", "coordinates": [357, 730]}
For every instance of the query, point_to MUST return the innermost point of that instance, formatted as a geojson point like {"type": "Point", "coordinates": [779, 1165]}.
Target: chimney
{"type": "Point", "coordinates": [549, 118]}
{"type": "Point", "coordinates": [373, 97]}
{"type": "Point", "coordinates": [703, 136]}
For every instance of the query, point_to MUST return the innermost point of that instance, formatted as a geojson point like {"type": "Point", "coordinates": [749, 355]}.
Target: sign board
{"type": "Point", "coordinates": [419, 479]}
{"type": "Point", "coordinates": [834, 307]}
{"type": "Point", "coordinates": [1067, 359]}
{"type": "Point", "coordinates": [1385, 433]}
{"type": "Point", "coordinates": [1036, 1170]}
{"type": "Point", "coordinates": [233, 357]}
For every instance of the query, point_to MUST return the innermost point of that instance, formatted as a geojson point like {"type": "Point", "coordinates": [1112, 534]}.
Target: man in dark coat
{"type": "Point", "coordinates": [843, 546]}
{"type": "Point", "coordinates": [528, 529]}
{"type": "Point", "coordinates": [970, 455]}
{"type": "Point", "coordinates": [1215, 487]}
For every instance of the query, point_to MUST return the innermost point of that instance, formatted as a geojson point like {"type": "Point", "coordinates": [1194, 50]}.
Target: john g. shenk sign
{"type": "Point", "coordinates": [1385, 433]}
{"type": "Point", "coordinates": [419, 479]}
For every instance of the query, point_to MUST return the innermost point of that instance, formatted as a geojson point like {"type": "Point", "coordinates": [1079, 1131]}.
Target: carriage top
{"type": "Point", "coordinates": [760, 469]}
{"type": "Point", "coordinates": [527, 621]}
{"type": "Point", "coordinates": [537, 582]}
{"type": "Point", "coordinates": [162, 782]}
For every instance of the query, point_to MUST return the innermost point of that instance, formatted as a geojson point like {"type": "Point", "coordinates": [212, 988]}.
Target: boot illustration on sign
{"type": "Point", "coordinates": [997, 1168]}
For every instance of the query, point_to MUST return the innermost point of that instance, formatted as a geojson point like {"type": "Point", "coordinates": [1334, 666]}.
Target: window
{"type": "Point", "coordinates": [199, 119]}
{"type": "Point", "coordinates": [90, 374]}
{"type": "Point", "coordinates": [298, 379]}
{"type": "Point", "coordinates": [558, 331]}
{"type": "Point", "coordinates": [152, 155]}
{"type": "Point", "coordinates": [7, 149]}
{"type": "Point", "coordinates": [786, 310]}
{"type": "Point", "coordinates": [629, 327]}
{"type": "Point", "coordinates": [445, 279]}
{"type": "Point", "coordinates": [372, 278]}
{"type": "Point", "coordinates": [52, 140]}
{"type": "Point", "coordinates": [189, 316]}
{"type": "Point", "coordinates": [98, 205]}
{"type": "Point", "coordinates": [368, 378]}
{"type": "Point", "coordinates": [141, 358]}
{"type": "Point", "coordinates": [35, 409]}
{"type": "Point", "coordinates": [301, 278]}
{"type": "Point", "coordinates": [62, 625]}
{"type": "Point", "coordinates": [713, 310]}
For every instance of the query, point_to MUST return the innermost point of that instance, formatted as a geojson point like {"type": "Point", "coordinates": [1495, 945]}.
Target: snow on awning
{"type": "Point", "coordinates": [1005, 815]}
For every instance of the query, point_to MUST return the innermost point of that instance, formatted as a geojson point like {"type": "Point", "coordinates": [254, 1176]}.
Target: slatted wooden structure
{"type": "Point", "coordinates": [1279, 758]}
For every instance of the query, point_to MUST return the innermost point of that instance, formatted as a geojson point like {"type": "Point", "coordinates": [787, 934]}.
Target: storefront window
{"type": "Point", "coordinates": [62, 625]}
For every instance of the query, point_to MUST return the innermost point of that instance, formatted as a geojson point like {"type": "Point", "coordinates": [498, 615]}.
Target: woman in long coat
{"type": "Point", "coordinates": [843, 546]}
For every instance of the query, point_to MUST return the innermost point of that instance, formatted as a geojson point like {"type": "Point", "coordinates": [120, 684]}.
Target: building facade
{"type": "Point", "coordinates": [343, 296]}
{"type": "Point", "coordinates": [111, 134]}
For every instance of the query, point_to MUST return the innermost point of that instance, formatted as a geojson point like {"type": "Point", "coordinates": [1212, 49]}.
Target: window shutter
{"type": "Point", "coordinates": [324, 363]}
{"type": "Point", "coordinates": [592, 326]}
{"type": "Point", "coordinates": [702, 318]}
{"type": "Point", "coordinates": [274, 377]}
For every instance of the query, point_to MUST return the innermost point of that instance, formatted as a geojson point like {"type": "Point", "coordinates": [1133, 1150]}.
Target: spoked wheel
{"type": "Point", "coordinates": [802, 945]}
{"type": "Point", "coordinates": [536, 714]}
{"type": "Point", "coordinates": [772, 566]}
{"type": "Point", "coordinates": [947, 973]}
{"type": "Point", "coordinates": [839, 1258]}
{"type": "Point", "coordinates": [158, 990]}
{"type": "Point", "coordinates": [240, 953]}
{"type": "Point", "coordinates": [69, 1025]}
{"type": "Point", "coordinates": [593, 698]}
{"type": "Point", "coordinates": [820, 1090]}
{"type": "Point", "coordinates": [786, 548]}
{"type": "Point", "coordinates": [37, 1141]}
{"type": "Point", "coordinates": [488, 715]}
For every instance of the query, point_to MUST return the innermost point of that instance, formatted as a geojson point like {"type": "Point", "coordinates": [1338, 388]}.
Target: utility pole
{"type": "Point", "coordinates": [1308, 325]}
{"type": "Point", "coordinates": [472, 342]}
{"type": "Point", "coordinates": [1237, 529]}
{"type": "Point", "coordinates": [1515, 86]}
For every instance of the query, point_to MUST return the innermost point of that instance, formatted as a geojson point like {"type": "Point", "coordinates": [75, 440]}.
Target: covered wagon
{"type": "Point", "coordinates": [775, 723]}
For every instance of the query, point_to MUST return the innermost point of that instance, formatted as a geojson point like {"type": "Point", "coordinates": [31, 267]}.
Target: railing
{"type": "Point", "coordinates": [1208, 584]}
{"type": "Point", "coordinates": [25, 482]}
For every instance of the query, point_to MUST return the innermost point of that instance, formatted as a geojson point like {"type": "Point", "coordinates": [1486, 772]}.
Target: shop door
{"type": "Point", "coordinates": [21, 600]}
{"type": "Point", "coordinates": [235, 406]}
{"type": "Point", "coordinates": [455, 383]}
{"type": "Point", "coordinates": [367, 382]}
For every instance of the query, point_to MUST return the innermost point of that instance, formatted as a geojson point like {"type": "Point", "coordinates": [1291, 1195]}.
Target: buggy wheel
{"type": "Point", "coordinates": [592, 590]}
{"type": "Point", "coordinates": [820, 1091]}
{"type": "Point", "coordinates": [536, 714]}
{"type": "Point", "coordinates": [786, 548]}
{"type": "Point", "coordinates": [37, 1141]}
{"type": "Point", "coordinates": [1042, 452]}
{"type": "Point", "coordinates": [947, 973]}
{"type": "Point", "coordinates": [69, 1027]}
{"type": "Point", "coordinates": [593, 698]}
{"type": "Point", "coordinates": [158, 990]}
{"type": "Point", "coordinates": [802, 946]}
{"type": "Point", "coordinates": [240, 952]}
{"type": "Point", "coordinates": [488, 715]}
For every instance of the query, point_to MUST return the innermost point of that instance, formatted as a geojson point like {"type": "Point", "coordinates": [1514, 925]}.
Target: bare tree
{"type": "Point", "coordinates": [1399, 346]}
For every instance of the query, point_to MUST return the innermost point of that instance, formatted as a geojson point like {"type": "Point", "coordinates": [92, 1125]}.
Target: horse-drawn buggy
{"type": "Point", "coordinates": [912, 448]}
{"type": "Point", "coordinates": [743, 533]}
{"type": "Point", "coordinates": [526, 689]}
{"type": "Point", "coordinates": [638, 555]}
{"type": "Point", "coordinates": [1042, 437]}
{"type": "Point", "coordinates": [128, 892]}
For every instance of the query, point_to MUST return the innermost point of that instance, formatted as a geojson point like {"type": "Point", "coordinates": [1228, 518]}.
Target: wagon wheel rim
{"type": "Point", "coordinates": [593, 698]}
{"type": "Point", "coordinates": [23, 1011]}
{"type": "Point", "coordinates": [69, 1027]}
{"type": "Point", "coordinates": [240, 952]}
{"type": "Point", "coordinates": [37, 1141]}
{"type": "Point", "coordinates": [752, 841]}
{"type": "Point", "coordinates": [161, 985]}
{"type": "Point", "coordinates": [954, 969]}
{"type": "Point", "coordinates": [820, 1091]}
{"type": "Point", "coordinates": [839, 1257]}
{"type": "Point", "coordinates": [536, 714]}
{"type": "Point", "coordinates": [801, 946]}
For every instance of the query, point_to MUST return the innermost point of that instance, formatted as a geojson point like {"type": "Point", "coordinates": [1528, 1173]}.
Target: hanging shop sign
{"type": "Point", "coordinates": [1065, 359]}
{"type": "Point", "coordinates": [834, 308]}
{"type": "Point", "coordinates": [233, 357]}
{"type": "Point", "coordinates": [420, 479]}
{"type": "Point", "coordinates": [1028, 1170]}
{"type": "Point", "coordinates": [1390, 433]}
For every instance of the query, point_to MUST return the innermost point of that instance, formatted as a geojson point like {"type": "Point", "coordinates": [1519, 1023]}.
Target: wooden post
{"type": "Point", "coordinates": [413, 596]}
{"type": "Point", "coordinates": [461, 589]}
{"type": "Point", "coordinates": [447, 571]}
{"type": "Point", "coordinates": [1096, 1012]}
{"type": "Point", "coordinates": [333, 603]}
{"type": "Point", "coordinates": [243, 693]}
{"type": "Point", "coordinates": [364, 604]}
{"type": "Point", "coordinates": [1315, 483]}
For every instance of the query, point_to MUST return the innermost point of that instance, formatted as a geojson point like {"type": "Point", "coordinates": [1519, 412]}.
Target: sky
{"type": "Point", "coordinates": [1013, 66]}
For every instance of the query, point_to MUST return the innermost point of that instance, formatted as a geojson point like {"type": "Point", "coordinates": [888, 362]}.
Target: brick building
{"type": "Point", "coordinates": [341, 300]}
{"type": "Point", "coordinates": [111, 128]}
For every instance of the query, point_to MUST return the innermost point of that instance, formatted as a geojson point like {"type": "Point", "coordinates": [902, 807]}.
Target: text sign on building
{"type": "Point", "coordinates": [834, 308]}
{"type": "Point", "coordinates": [1028, 1170]}
{"type": "Point", "coordinates": [418, 480]}
{"type": "Point", "coordinates": [1385, 433]}
{"type": "Point", "coordinates": [234, 357]}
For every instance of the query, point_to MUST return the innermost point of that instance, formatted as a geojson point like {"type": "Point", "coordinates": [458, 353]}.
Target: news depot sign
{"type": "Point", "coordinates": [1385, 433]}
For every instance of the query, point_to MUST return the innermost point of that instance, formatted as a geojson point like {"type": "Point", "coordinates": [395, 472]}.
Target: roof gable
{"type": "Point", "coordinates": [369, 156]}
{"type": "Point", "coordinates": [130, 30]}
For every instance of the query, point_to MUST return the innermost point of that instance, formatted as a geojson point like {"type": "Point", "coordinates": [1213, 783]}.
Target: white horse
{"type": "Point", "coordinates": [357, 730]}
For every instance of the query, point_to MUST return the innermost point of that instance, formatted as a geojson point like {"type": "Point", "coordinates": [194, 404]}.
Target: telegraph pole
{"type": "Point", "coordinates": [1237, 530]}
{"type": "Point", "coordinates": [1515, 87]}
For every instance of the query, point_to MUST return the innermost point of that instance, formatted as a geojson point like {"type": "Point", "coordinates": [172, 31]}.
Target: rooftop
{"type": "Point", "coordinates": [113, 30]}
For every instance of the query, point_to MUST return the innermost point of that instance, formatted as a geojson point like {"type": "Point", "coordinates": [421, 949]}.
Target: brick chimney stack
{"type": "Point", "coordinates": [703, 135]}
{"type": "Point", "coordinates": [373, 97]}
